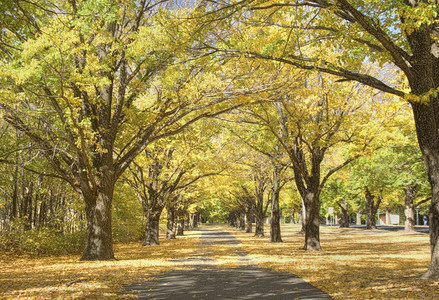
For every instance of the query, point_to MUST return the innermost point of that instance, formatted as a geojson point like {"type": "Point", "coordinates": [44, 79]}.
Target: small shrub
{"type": "Point", "coordinates": [42, 242]}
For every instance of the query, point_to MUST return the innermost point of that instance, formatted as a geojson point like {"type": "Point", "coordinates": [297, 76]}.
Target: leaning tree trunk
{"type": "Point", "coordinates": [99, 240]}
{"type": "Point", "coordinates": [275, 235]}
{"type": "Point", "coordinates": [312, 227]}
{"type": "Point", "coordinates": [152, 229]}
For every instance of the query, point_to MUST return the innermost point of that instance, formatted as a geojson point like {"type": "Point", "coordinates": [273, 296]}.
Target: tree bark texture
{"type": "Point", "coordinates": [99, 240]}
{"type": "Point", "coordinates": [358, 215]}
{"type": "Point", "coordinates": [259, 228]}
{"type": "Point", "coordinates": [241, 221]}
{"type": "Point", "coordinates": [427, 126]}
{"type": "Point", "coordinates": [180, 227]}
{"type": "Point", "coordinates": [249, 218]}
{"type": "Point", "coordinates": [344, 220]}
{"type": "Point", "coordinates": [152, 229]}
{"type": "Point", "coordinates": [409, 211]}
{"type": "Point", "coordinates": [312, 228]}
{"type": "Point", "coordinates": [371, 209]}
{"type": "Point", "coordinates": [171, 225]}
{"type": "Point", "coordinates": [275, 234]}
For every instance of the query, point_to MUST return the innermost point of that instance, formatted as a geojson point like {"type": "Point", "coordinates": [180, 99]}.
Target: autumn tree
{"type": "Point", "coordinates": [85, 76]}
{"type": "Point", "coordinates": [403, 34]}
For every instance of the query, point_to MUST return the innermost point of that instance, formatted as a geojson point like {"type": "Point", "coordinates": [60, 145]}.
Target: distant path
{"type": "Point", "coordinates": [205, 281]}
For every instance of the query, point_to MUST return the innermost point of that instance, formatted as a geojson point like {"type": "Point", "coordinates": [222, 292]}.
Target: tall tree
{"type": "Point", "coordinates": [91, 78]}
{"type": "Point", "coordinates": [403, 34]}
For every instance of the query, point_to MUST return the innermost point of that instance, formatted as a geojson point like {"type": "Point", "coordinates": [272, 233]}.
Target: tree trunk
{"type": "Point", "coordinates": [152, 229]}
{"type": "Point", "coordinates": [99, 240]}
{"type": "Point", "coordinates": [171, 224]}
{"type": "Point", "coordinates": [312, 228]}
{"type": "Point", "coordinates": [358, 215]}
{"type": "Point", "coordinates": [409, 211]}
{"type": "Point", "coordinates": [180, 227]}
{"type": "Point", "coordinates": [241, 221]}
{"type": "Point", "coordinates": [259, 230]}
{"type": "Point", "coordinates": [28, 204]}
{"type": "Point", "coordinates": [195, 220]}
{"type": "Point", "coordinates": [371, 209]}
{"type": "Point", "coordinates": [275, 235]}
{"type": "Point", "coordinates": [302, 219]}
{"type": "Point", "coordinates": [426, 120]}
{"type": "Point", "coordinates": [293, 213]}
{"type": "Point", "coordinates": [388, 217]}
{"type": "Point", "coordinates": [249, 219]}
{"type": "Point", "coordinates": [187, 225]}
{"type": "Point", "coordinates": [344, 220]}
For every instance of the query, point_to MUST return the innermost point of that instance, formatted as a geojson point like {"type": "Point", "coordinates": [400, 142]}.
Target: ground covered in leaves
{"type": "Point", "coordinates": [355, 264]}
{"type": "Point", "coordinates": [64, 277]}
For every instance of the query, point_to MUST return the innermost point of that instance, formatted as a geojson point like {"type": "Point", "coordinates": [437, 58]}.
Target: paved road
{"type": "Point", "coordinates": [206, 281]}
{"type": "Point", "coordinates": [422, 229]}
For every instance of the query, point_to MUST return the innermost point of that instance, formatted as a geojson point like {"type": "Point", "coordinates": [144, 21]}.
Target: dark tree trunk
{"type": "Point", "coordinates": [312, 228]}
{"type": "Point", "coordinates": [275, 234]}
{"type": "Point", "coordinates": [171, 225]}
{"type": "Point", "coordinates": [187, 225]}
{"type": "Point", "coordinates": [427, 120]}
{"type": "Point", "coordinates": [232, 220]}
{"type": "Point", "coordinates": [344, 221]}
{"type": "Point", "coordinates": [152, 230]}
{"type": "Point", "coordinates": [180, 227]}
{"type": "Point", "coordinates": [249, 218]}
{"type": "Point", "coordinates": [371, 209]}
{"type": "Point", "coordinates": [195, 220]}
{"type": "Point", "coordinates": [259, 230]}
{"type": "Point", "coordinates": [99, 240]}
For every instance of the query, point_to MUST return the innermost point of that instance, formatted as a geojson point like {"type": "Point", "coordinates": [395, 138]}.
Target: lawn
{"type": "Point", "coordinates": [66, 277]}
{"type": "Point", "coordinates": [354, 264]}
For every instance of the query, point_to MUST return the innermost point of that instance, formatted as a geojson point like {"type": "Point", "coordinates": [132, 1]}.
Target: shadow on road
{"type": "Point", "coordinates": [203, 280]}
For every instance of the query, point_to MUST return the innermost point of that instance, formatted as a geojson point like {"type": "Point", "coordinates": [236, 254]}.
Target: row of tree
{"type": "Point", "coordinates": [110, 91]}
